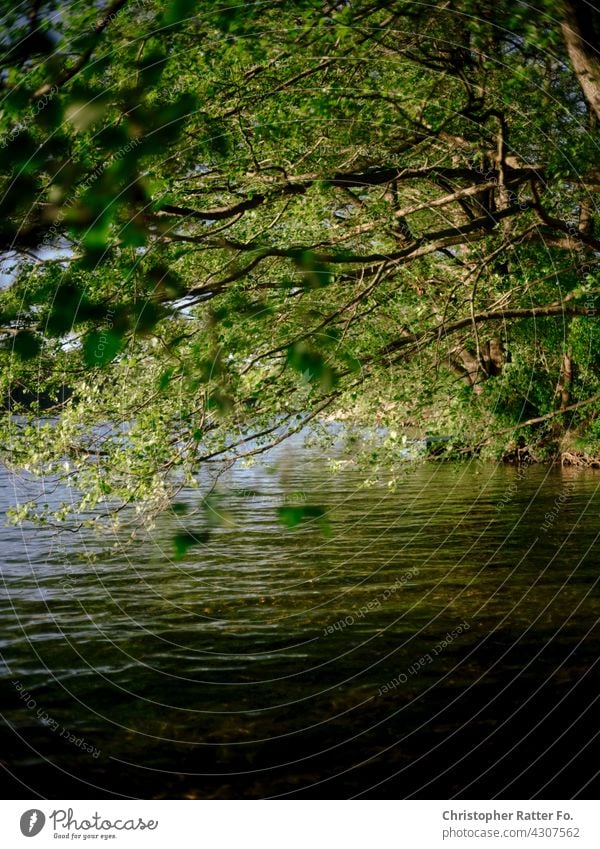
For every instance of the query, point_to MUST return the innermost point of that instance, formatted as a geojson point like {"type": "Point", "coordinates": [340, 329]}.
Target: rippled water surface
{"type": "Point", "coordinates": [438, 640]}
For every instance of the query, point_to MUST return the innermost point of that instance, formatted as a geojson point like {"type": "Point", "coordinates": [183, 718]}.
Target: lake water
{"type": "Point", "coordinates": [436, 641]}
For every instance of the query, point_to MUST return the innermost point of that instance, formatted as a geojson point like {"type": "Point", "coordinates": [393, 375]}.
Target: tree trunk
{"type": "Point", "coordinates": [565, 381]}
{"type": "Point", "coordinates": [472, 370]}
{"type": "Point", "coordinates": [492, 356]}
{"type": "Point", "coordinates": [578, 29]}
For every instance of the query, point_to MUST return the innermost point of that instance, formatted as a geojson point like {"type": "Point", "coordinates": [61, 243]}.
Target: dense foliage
{"type": "Point", "coordinates": [220, 223]}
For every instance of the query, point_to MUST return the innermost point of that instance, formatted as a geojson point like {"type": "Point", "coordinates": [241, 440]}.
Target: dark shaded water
{"type": "Point", "coordinates": [441, 641]}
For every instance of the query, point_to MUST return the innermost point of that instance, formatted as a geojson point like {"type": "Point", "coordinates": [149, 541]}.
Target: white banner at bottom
{"type": "Point", "coordinates": [300, 824]}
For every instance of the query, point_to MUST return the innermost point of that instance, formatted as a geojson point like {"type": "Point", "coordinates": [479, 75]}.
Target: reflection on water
{"type": "Point", "coordinates": [439, 641]}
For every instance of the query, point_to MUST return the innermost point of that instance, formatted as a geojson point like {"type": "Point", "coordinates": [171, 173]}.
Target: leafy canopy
{"type": "Point", "coordinates": [222, 223]}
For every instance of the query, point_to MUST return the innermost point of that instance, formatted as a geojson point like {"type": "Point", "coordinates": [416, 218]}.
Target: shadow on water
{"type": "Point", "coordinates": [441, 641]}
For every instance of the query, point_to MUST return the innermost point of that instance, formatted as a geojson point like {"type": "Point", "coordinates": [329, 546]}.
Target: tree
{"type": "Point", "coordinates": [220, 224]}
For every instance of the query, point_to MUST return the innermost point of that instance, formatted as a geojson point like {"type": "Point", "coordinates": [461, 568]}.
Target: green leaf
{"type": "Point", "coordinates": [100, 347]}
{"type": "Point", "coordinates": [311, 365]}
{"type": "Point", "coordinates": [70, 306]}
{"type": "Point", "coordinates": [179, 10]}
{"type": "Point", "coordinates": [165, 379]}
{"type": "Point", "coordinates": [152, 67]}
{"type": "Point", "coordinates": [26, 345]}
{"type": "Point", "coordinates": [316, 273]}
{"type": "Point", "coordinates": [291, 515]}
{"type": "Point", "coordinates": [185, 540]}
